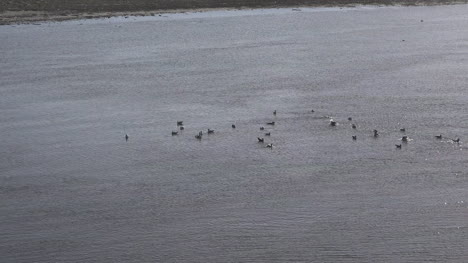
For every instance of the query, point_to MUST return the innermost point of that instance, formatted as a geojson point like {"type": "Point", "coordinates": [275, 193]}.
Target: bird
{"type": "Point", "coordinates": [233, 126]}
{"type": "Point", "coordinates": [404, 138]}
{"type": "Point", "coordinates": [126, 137]}
{"type": "Point", "coordinates": [198, 136]}
{"type": "Point", "coordinates": [270, 145]}
{"type": "Point", "coordinates": [274, 112]}
{"type": "Point", "coordinates": [271, 123]}
{"type": "Point", "coordinates": [174, 133]}
{"type": "Point", "coordinates": [439, 136]}
{"type": "Point", "coordinates": [402, 129]}
{"type": "Point", "coordinates": [210, 131]}
{"type": "Point", "coordinates": [350, 119]}
{"type": "Point", "coordinates": [376, 133]}
{"type": "Point", "coordinates": [312, 111]}
{"type": "Point", "coordinates": [398, 146]}
{"type": "Point", "coordinates": [354, 137]}
{"type": "Point", "coordinates": [268, 134]}
{"type": "Point", "coordinates": [332, 122]}
{"type": "Point", "coordinates": [457, 140]}
{"type": "Point", "coordinates": [180, 123]}
{"type": "Point", "coordinates": [200, 133]}
{"type": "Point", "coordinates": [262, 128]}
{"type": "Point", "coordinates": [181, 128]}
{"type": "Point", "coordinates": [353, 126]}
{"type": "Point", "coordinates": [260, 139]}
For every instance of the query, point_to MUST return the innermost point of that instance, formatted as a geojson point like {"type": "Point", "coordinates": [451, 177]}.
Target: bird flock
{"type": "Point", "coordinates": [332, 122]}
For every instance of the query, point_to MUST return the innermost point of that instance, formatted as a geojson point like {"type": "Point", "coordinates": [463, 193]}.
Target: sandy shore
{"type": "Point", "coordinates": [31, 11]}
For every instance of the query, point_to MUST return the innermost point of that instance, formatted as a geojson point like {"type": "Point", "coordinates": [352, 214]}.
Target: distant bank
{"type": "Point", "coordinates": [13, 11]}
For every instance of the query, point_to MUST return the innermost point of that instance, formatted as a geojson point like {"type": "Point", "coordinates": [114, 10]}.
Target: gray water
{"type": "Point", "coordinates": [73, 190]}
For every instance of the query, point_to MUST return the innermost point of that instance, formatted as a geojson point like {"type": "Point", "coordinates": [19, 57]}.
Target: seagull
{"type": "Point", "coordinates": [126, 137]}
{"type": "Point", "coordinates": [210, 131]}
{"type": "Point", "coordinates": [174, 133]}
{"type": "Point", "coordinates": [180, 123]}
{"type": "Point", "coordinates": [271, 123]}
{"type": "Point", "coordinates": [260, 139]}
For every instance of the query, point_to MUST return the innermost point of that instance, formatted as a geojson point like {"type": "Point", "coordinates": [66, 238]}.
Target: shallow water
{"type": "Point", "coordinates": [72, 189]}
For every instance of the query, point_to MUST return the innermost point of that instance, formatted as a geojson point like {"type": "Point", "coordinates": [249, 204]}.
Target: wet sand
{"type": "Point", "coordinates": [30, 11]}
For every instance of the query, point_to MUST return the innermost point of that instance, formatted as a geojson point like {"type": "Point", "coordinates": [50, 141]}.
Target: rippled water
{"type": "Point", "coordinates": [72, 189]}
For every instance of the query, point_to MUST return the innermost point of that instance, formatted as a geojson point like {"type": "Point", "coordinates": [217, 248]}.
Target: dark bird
{"type": "Point", "coordinates": [262, 128]}
{"type": "Point", "coordinates": [312, 111]}
{"type": "Point", "coordinates": [353, 126]}
{"type": "Point", "coordinates": [274, 112]}
{"type": "Point", "coordinates": [233, 126]}
{"type": "Point", "coordinates": [198, 136]}
{"type": "Point", "coordinates": [174, 133]}
{"type": "Point", "coordinates": [376, 133]}
{"type": "Point", "coordinates": [210, 131]}
{"type": "Point", "coordinates": [268, 134]}
{"type": "Point", "coordinates": [270, 145]}
{"type": "Point", "coordinates": [398, 146]}
{"type": "Point", "coordinates": [404, 138]}
{"type": "Point", "coordinates": [457, 140]}
{"type": "Point", "coordinates": [332, 122]}
{"type": "Point", "coordinates": [402, 129]}
{"type": "Point", "coordinates": [260, 139]}
{"type": "Point", "coordinates": [180, 123]}
{"type": "Point", "coordinates": [200, 133]}
{"type": "Point", "coordinates": [439, 136]}
{"type": "Point", "coordinates": [354, 137]}
{"type": "Point", "coordinates": [271, 123]}
{"type": "Point", "coordinates": [181, 128]}
{"type": "Point", "coordinates": [350, 119]}
{"type": "Point", "coordinates": [126, 137]}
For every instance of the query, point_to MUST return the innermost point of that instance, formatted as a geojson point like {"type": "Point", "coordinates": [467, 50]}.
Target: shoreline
{"type": "Point", "coordinates": [32, 17]}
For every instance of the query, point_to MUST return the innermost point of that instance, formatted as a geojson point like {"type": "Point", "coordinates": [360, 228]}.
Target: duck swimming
{"type": "Point", "coordinates": [180, 123]}
{"type": "Point", "coordinates": [174, 133]}
{"type": "Point", "coordinates": [398, 146]}
{"type": "Point", "coordinates": [260, 139]}
{"type": "Point", "coordinates": [332, 122]}
{"type": "Point", "coordinates": [404, 138]}
{"type": "Point", "coordinates": [439, 136]}
{"type": "Point", "coordinates": [233, 126]}
{"type": "Point", "coordinates": [268, 134]}
{"type": "Point", "coordinates": [270, 145]}
{"type": "Point", "coordinates": [210, 131]}
{"type": "Point", "coordinates": [376, 133]}
{"type": "Point", "coordinates": [354, 126]}
{"type": "Point", "coordinates": [271, 123]}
